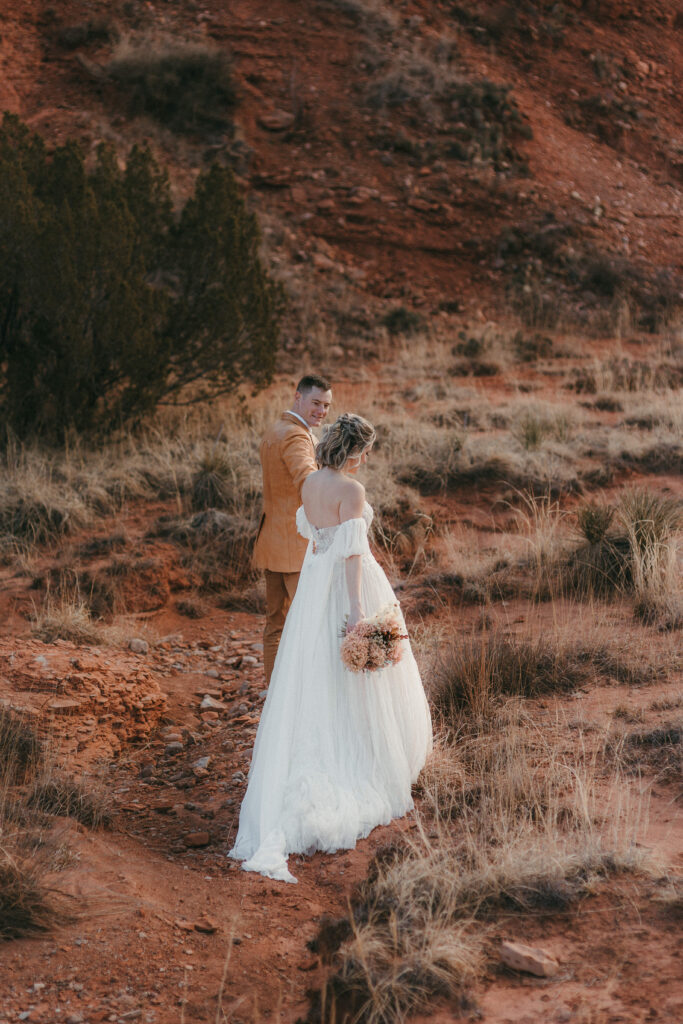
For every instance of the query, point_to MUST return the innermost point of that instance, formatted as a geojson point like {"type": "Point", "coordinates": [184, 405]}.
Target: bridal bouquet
{"type": "Point", "coordinates": [374, 643]}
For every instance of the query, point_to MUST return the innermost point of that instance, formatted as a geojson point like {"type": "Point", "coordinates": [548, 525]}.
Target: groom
{"type": "Point", "coordinates": [287, 457]}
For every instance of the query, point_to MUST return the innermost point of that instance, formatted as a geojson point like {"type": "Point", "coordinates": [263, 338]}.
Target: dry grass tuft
{"type": "Point", "coordinates": [81, 799]}
{"type": "Point", "coordinates": [66, 617]}
{"type": "Point", "coordinates": [660, 750]}
{"type": "Point", "coordinates": [211, 484]}
{"type": "Point", "coordinates": [21, 751]}
{"type": "Point", "coordinates": [507, 823]}
{"type": "Point", "coordinates": [473, 673]}
{"type": "Point", "coordinates": [652, 523]}
{"type": "Point", "coordinates": [25, 903]}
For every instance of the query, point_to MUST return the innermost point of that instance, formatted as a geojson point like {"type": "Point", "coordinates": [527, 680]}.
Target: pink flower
{"type": "Point", "coordinates": [374, 643]}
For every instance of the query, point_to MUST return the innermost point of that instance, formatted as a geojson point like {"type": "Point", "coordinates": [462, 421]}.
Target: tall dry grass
{"type": "Point", "coordinates": [508, 822]}
{"type": "Point", "coordinates": [34, 794]}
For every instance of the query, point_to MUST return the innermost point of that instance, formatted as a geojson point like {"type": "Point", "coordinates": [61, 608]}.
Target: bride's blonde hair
{"type": "Point", "coordinates": [349, 435]}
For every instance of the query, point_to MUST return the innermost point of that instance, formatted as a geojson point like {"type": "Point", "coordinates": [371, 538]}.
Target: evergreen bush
{"type": "Point", "coordinates": [110, 301]}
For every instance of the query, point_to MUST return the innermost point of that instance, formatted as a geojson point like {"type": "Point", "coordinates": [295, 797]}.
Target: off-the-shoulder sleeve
{"type": "Point", "coordinates": [302, 523]}
{"type": "Point", "coordinates": [352, 538]}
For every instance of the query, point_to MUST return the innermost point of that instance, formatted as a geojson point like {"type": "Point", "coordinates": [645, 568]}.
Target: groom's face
{"type": "Point", "coordinates": [313, 405]}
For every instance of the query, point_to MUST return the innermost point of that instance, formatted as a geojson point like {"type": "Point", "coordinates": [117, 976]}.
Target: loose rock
{"type": "Point", "coordinates": [197, 839]}
{"type": "Point", "coordinates": [138, 646]}
{"type": "Point", "coordinates": [531, 960]}
{"type": "Point", "coordinates": [276, 120]}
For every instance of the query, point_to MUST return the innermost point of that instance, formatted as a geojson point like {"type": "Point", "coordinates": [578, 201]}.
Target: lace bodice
{"type": "Point", "coordinates": [351, 535]}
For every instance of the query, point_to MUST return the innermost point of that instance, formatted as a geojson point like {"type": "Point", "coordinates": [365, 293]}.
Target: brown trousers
{"type": "Point", "coordinates": [280, 589]}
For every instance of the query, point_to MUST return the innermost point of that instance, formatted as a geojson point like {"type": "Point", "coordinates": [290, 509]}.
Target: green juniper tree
{"type": "Point", "coordinates": [109, 301]}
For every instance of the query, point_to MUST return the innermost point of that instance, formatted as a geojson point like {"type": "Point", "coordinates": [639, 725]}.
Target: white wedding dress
{"type": "Point", "coordinates": [336, 752]}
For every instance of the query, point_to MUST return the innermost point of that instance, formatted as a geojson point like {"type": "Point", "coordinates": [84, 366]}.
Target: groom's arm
{"type": "Point", "coordinates": [298, 456]}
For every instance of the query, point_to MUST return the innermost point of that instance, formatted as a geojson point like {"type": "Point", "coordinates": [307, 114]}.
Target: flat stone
{"type": "Point", "coordinates": [276, 120]}
{"type": "Point", "coordinates": [206, 925]}
{"type": "Point", "coordinates": [529, 959]}
{"type": "Point", "coordinates": [163, 805]}
{"type": "Point", "coordinates": [64, 705]}
{"type": "Point", "coordinates": [211, 704]}
{"type": "Point", "coordinates": [197, 839]}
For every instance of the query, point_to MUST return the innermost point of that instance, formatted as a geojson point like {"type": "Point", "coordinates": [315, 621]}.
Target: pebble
{"type": "Point", "coordinates": [173, 748]}
{"type": "Point", "coordinates": [202, 762]}
{"type": "Point", "coordinates": [138, 646]}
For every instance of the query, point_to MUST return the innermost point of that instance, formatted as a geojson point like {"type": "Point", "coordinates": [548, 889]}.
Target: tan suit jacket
{"type": "Point", "coordinates": [287, 458]}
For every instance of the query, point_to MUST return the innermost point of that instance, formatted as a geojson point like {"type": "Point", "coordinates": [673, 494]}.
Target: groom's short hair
{"type": "Point", "coordinates": [312, 380]}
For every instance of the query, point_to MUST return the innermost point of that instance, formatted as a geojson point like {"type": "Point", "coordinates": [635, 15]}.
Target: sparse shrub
{"type": "Point", "coordinates": [218, 552]}
{"type": "Point", "coordinates": [654, 608]}
{"type": "Point", "coordinates": [651, 520]}
{"type": "Point", "coordinates": [532, 428]}
{"type": "Point", "coordinates": [640, 557]}
{"type": "Point", "coordinates": [108, 302]}
{"type": "Point", "coordinates": [531, 431]}
{"type": "Point", "coordinates": [434, 466]}
{"type": "Point", "coordinates": [402, 321]}
{"type": "Point", "coordinates": [660, 750]}
{"type": "Point", "coordinates": [528, 348]}
{"type": "Point", "coordinates": [594, 521]}
{"type": "Point", "coordinates": [372, 13]}
{"type": "Point", "coordinates": [599, 569]}
{"type": "Point", "coordinates": [623, 374]}
{"type": "Point", "coordinates": [192, 607]}
{"type": "Point", "coordinates": [79, 799]}
{"type": "Point", "coordinates": [651, 523]}
{"type": "Point", "coordinates": [471, 674]}
{"type": "Point", "coordinates": [21, 751]}
{"type": "Point", "coordinates": [479, 120]}
{"type": "Point", "coordinates": [85, 33]}
{"type": "Point", "coordinates": [471, 347]}
{"type": "Point", "coordinates": [211, 483]}
{"type": "Point", "coordinates": [187, 86]}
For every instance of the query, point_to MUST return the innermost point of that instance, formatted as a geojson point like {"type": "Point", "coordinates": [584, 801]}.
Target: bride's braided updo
{"type": "Point", "coordinates": [349, 435]}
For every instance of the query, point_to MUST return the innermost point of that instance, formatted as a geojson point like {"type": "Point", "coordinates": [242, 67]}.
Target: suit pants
{"type": "Point", "coordinates": [280, 590]}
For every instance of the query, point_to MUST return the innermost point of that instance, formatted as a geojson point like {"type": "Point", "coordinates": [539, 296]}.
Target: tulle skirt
{"type": "Point", "coordinates": [336, 752]}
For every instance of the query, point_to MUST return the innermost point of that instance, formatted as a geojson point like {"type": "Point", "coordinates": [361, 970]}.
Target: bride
{"type": "Point", "coordinates": [336, 752]}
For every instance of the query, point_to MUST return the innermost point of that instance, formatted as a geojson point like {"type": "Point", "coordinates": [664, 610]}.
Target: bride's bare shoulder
{"type": "Point", "coordinates": [352, 499]}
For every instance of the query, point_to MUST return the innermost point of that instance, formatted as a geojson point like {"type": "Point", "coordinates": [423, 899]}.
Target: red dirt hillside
{"type": "Point", "coordinates": [364, 160]}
